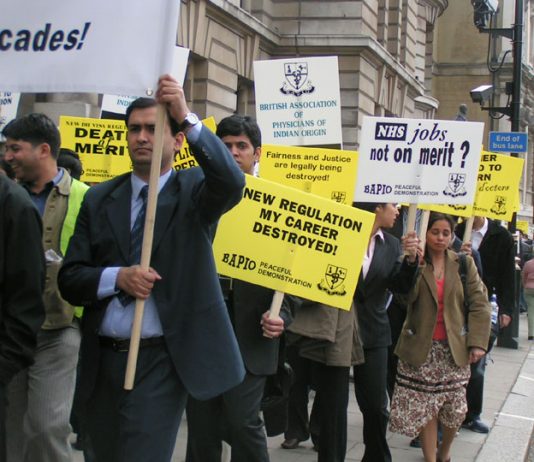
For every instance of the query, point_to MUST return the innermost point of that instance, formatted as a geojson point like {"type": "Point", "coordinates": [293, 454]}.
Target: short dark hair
{"type": "Point", "coordinates": [70, 160]}
{"type": "Point", "coordinates": [369, 206]}
{"type": "Point", "coordinates": [145, 103]}
{"type": "Point", "coordinates": [35, 128]}
{"type": "Point", "coordinates": [236, 125]}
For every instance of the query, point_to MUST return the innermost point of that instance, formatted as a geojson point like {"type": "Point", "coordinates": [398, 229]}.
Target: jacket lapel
{"type": "Point", "coordinates": [451, 269]}
{"type": "Point", "coordinates": [118, 214]}
{"type": "Point", "coordinates": [168, 201]}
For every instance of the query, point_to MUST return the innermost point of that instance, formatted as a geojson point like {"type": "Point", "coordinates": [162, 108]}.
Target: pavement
{"type": "Point", "coordinates": [508, 410]}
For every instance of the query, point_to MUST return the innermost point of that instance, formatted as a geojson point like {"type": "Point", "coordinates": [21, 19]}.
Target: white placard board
{"type": "Point", "coordinates": [101, 46]}
{"type": "Point", "coordinates": [418, 160]}
{"type": "Point", "coordinates": [298, 101]}
{"type": "Point", "coordinates": [117, 104]}
{"type": "Point", "coordinates": [9, 104]}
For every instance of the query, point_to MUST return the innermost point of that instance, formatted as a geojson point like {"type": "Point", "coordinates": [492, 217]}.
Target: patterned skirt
{"type": "Point", "coordinates": [436, 388]}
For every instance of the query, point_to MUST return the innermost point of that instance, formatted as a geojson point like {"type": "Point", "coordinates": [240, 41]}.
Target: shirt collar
{"type": "Point", "coordinates": [138, 183]}
{"type": "Point", "coordinates": [484, 228]}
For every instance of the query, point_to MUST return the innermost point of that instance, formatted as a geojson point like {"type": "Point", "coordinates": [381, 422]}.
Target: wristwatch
{"type": "Point", "coordinates": [190, 120]}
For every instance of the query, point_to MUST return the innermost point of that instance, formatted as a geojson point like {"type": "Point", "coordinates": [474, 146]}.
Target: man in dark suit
{"type": "Point", "coordinates": [235, 415]}
{"type": "Point", "coordinates": [383, 270]}
{"type": "Point", "coordinates": [187, 343]}
{"type": "Point", "coordinates": [22, 274]}
{"type": "Point", "coordinates": [496, 247]}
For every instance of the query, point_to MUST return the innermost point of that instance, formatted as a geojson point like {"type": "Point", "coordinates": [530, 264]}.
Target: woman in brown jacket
{"type": "Point", "coordinates": [436, 347]}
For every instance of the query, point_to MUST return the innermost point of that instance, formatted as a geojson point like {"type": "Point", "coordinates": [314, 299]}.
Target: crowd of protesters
{"type": "Point", "coordinates": [209, 346]}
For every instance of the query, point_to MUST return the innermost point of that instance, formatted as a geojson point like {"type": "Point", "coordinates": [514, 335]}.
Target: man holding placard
{"type": "Point", "coordinates": [187, 344]}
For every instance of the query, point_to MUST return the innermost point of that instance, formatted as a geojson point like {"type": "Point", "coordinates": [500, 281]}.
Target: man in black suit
{"type": "Point", "coordinates": [22, 274]}
{"type": "Point", "coordinates": [234, 415]}
{"type": "Point", "coordinates": [187, 343]}
{"type": "Point", "coordinates": [496, 247]}
{"type": "Point", "coordinates": [383, 270]}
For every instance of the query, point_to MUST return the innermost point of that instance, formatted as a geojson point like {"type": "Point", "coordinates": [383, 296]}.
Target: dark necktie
{"type": "Point", "coordinates": [136, 242]}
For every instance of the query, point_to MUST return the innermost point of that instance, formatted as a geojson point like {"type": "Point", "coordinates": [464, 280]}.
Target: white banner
{"type": "Point", "coordinates": [9, 104]}
{"type": "Point", "coordinates": [102, 46]}
{"type": "Point", "coordinates": [298, 101]}
{"type": "Point", "coordinates": [117, 104]}
{"type": "Point", "coordinates": [418, 160]}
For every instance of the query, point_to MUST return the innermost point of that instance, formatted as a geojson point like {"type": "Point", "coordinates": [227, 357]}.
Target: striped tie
{"type": "Point", "coordinates": [136, 242]}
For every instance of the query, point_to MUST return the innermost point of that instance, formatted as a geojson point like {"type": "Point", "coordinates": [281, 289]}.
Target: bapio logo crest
{"type": "Point", "coordinates": [334, 278]}
{"type": "Point", "coordinates": [499, 207]}
{"type": "Point", "coordinates": [339, 196]}
{"type": "Point", "coordinates": [297, 82]}
{"type": "Point", "coordinates": [456, 185]}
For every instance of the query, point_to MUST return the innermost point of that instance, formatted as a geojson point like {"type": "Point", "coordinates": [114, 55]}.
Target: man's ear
{"type": "Point", "coordinates": [257, 153]}
{"type": "Point", "coordinates": [179, 139]}
{"type": "Point", "coordinates": [44, 150]}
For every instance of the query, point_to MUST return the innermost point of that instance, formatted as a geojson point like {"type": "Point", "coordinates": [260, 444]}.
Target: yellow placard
{"type": "Point", "coordinates": [101, 145]}
{"type": "Point", "coordinates": [329, 173]}
{"type": "Point", "coordinates": [294, 242]}
{"type": "Point", "coordinates": [522, 226]}
{"type": "Point", "coordinates": [103, 149]}
{"type": "Point", "coordinates": [497, 190]}
{"type": "Point", "coordinates": [498, 186]}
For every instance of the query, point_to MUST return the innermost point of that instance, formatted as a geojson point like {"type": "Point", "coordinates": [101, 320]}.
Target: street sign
{"type": "Point", "coordinates": [508, 142]}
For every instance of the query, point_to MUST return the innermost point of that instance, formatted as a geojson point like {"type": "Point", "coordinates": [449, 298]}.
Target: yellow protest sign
{"type": "Point", "coordinates": [497, 186]}
{"type": "Point", "coordinates": [103, 149]}
{"type": "Point", "coordinates": [522, 226]}
{"type": "Point", "coordinates": [101, 145]}
{"type": "Point", "coordinates": [329, 173]}
{"type": "Point", "coordinates": [293, 242]}
{"type": "Point", "coordinates": [497, 189]}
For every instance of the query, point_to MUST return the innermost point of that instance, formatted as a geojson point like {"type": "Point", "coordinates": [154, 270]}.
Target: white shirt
{"type": "Point", "coordinates": [477, 236]}
{"type": "Point", "coordinates": [368, 258]}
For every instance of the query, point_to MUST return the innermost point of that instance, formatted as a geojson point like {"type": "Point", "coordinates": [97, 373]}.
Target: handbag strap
{"type": "Point", "coordinates": [462, 270]}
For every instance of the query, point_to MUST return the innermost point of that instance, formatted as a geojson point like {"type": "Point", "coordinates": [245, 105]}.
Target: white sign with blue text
{"type": "Point", "coordinates": [418, 161]}
{"type": "Point", "coordinates": [101, 46]}
{"type": "Point", "coordinates": [298, 101]}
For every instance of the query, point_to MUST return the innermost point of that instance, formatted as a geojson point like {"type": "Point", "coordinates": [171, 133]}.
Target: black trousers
{"type": "Point", "coordinates": [475, 389]}
{"type": "Point", "coordinates": [138, 425]}
{"type": "Point", "coordinates": [329, 415]}
{"type": "Point", "coordinates": [234, 417]}
{"type": "Point", "coordinates": [3, 454]}
{"type": "Point", "coordinates": [370, 380]}
{"type": "Point", "coordinates": [300, 424]}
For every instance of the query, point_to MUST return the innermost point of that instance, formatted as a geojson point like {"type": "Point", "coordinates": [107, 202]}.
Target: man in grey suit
{"type": "Point", "coordinates": [187, 343]}
{"type": "Point", "coordinates": [235, 415]}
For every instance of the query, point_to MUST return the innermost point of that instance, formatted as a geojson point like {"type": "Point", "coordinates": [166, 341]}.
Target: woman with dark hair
{"type": "Point", "coordinates": [438, 342]}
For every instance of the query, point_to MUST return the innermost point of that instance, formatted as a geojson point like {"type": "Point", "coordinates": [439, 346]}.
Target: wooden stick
{"type": "Point", "coordinates": [468, 229]}
{"type": "Point", "coordinates": [423, 226]}
{"type": "Point", "coordinates": [276, 304]}
{"type": "Point", "coordinates": [148, 234]}
{"type": "Point", "coordinates": [412, 214]}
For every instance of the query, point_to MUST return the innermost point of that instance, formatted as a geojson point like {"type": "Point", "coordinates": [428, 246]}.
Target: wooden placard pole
{"type": "Point", "coordinates": [468, 229]}
{"type": "Point", "coordinates": [148, 234]}
{"type": "Point", "coordinates": [422, 228]}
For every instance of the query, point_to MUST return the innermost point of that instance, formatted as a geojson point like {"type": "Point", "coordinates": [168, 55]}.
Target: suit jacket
{"type": "Point", "coordinates": [387, 272]}
{"type": "Point", "coordinates": [249, 302]}
{"type": "Point", "coordinates": [194, 318]}
{"type": "Point", "coordinates": [416, 337]}
{"type": "Point", "coordinates": [497, 253]}
{"type": "Point", "coordinates": [22, 276]}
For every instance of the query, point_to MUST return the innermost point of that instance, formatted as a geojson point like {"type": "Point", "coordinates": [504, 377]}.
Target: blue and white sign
{"type": "Point", "coordinates": [508, 142]}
